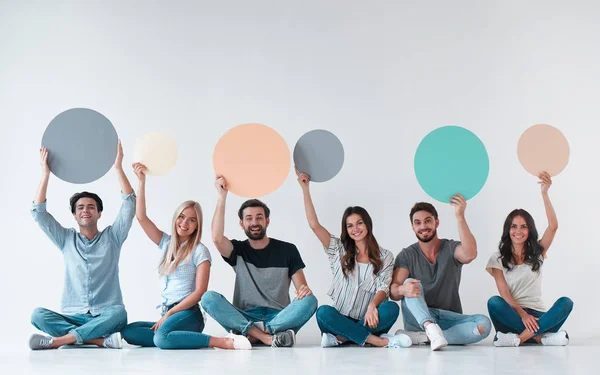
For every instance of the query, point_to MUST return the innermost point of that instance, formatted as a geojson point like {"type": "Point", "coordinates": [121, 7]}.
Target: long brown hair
{"type": "Point", "coordinates": [349, 258]}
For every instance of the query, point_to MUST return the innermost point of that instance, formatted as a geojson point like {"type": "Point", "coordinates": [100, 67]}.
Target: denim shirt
{"type": "Point", "coordinates": [91, 266]}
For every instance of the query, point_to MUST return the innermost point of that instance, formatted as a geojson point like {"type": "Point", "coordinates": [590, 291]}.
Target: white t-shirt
{"type": "Point", "coordinates": [524, 285]}
{"type": "Point", "coordinates": [363, 269]}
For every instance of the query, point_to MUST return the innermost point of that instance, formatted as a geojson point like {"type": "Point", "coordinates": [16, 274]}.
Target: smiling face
{"type": "Point", "coordinates": [254, 223]}
{"type": "Point", "coordinates": [186, 223]}
{"type": "Point", "coordinates": [86, 213]}
{"type": "Point", "coordinates": [519, 231]}
{"type": "Point", "coordinates": [356, 227]}
{"type": "Point", "coordinates": [425, 226]}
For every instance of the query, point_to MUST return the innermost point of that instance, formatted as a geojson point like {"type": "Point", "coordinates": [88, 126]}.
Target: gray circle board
{"type": "Point", "coordinates": [82, 145]}
{"type": "Point", "coordinates": [319, 154]}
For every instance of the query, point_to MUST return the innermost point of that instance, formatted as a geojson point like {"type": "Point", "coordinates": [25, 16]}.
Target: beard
{"type": "Point", "coordinates": [431, 237]}
{"type": "Point", "coordinates": [256, 236]}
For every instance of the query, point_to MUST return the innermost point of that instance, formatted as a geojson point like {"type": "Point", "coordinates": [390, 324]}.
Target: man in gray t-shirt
{"type": "Point", "coordinates": [427, 279]}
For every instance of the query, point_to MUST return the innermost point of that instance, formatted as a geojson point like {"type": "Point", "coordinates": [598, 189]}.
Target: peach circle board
{"type": "Point", "coordinates": [543, 148]}
{"type": "Point", "coordinates": [253, 158]}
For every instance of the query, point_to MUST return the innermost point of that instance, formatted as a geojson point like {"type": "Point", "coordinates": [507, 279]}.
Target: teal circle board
{"type": "Point", "coordinates": [451, 160]}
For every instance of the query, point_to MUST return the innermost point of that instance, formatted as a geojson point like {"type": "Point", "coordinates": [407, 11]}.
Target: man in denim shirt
{"type": "Point", "coordinates": [92, 305]}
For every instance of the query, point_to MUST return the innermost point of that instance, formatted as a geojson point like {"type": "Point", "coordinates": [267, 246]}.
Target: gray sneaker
{"type": "Point", "coordinates": [37, 342]}
{"type": "Point", "coordinates": [285, 339]}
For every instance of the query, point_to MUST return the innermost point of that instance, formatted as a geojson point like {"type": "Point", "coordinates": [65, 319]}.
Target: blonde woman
{"type": "Point", "coordinates": [184, 269]}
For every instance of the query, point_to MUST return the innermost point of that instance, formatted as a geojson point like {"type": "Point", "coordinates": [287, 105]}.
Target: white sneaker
{"type": "Point", "coordinates": [328, 340]}
{"type": "Point", "coordinates": [113, 341]}
{"type": "Point", "coordinates": [417, 337]}
{"type": "Point", "coordinates": [560, 338]}
{"type": "Point", "coordinates": [397, 341]}
{"type": "Point", "coordinates": [506, 339]}
{"type": "Point", "coordinates": [436, 336]}
{"type": "Point", "coordinates": [240, 342]}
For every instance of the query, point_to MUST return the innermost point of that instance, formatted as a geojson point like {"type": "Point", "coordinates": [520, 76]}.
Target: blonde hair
{"type": "Point", "coordinates": [174, 254]}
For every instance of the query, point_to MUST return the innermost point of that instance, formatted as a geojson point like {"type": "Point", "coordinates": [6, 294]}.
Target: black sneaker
{"type": "Point", "coordinates": [285, 339]}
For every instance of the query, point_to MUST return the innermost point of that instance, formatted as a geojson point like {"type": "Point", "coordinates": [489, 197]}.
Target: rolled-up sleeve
{"type": "Point", "coordinates": [56, 232]}
{"type": "Point", "coordinates": [384, 278]}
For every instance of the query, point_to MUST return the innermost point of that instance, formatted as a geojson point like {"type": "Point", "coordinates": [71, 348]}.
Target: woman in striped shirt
{"type": "Point", "coordinates": [184, 270]}
{"type": "Point", "coordinates": [362, 272]}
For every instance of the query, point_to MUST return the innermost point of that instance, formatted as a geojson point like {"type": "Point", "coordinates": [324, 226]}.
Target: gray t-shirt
{"type": "Point", "coordinates": [263, 276]}
{"type": "Point", "coordinates": [440, 280]}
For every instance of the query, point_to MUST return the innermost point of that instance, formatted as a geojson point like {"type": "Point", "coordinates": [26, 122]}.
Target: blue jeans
{"type": "Point", "coordinates": [294, 316]}
{"type": "Point", "coordinates": [332, 321]}
{"type": "Point", "coordinates": [182, 330]}
{"type": "Point", "coordinates": [458, 329]}
{"type": "Point", "coordinates": [83, 327]}
{"type": "Point", "coordinates": [506, 319]}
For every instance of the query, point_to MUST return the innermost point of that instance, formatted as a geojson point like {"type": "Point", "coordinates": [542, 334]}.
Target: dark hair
{"type": "Point", "coordinates": [533, 249]}
{"type": "Point", "coordinates": [85, 194]}
{"type": "Point", "coordinates": [423, 206]}
{"type": "Point", "coordinates": [349, 258]}
{"type": "Point", "coordinates": [253, 203]}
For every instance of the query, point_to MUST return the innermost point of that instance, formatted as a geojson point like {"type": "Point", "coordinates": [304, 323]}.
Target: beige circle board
{"type": "Point", "coordinates": [157, 151]}
{"type": "Point", "coordinates": [543, 148]}
{"type": "Point", "coordinates": [254, 159]}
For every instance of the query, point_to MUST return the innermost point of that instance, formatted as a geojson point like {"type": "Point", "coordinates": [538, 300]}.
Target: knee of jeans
{"type": "Point", "coordinates": [494, 303]}
{"type": "Point", "coordinates": [311, 303]}
{"type": "Point", "coordinates": [566, 303]}
{"type": "Point", "coordinates": [38, 315]}
{"type": "Point", "coordinates": [389, 310]}
{"type": "Point", "coordinates": [160, 340]}
{"type": "Point", "coordinates": [208, 299]}
{"type": "Point", "coordinates": [325, 312]}
{"type": "Point", "coordinates": [411, 279]}
{"type": "Point", "coordinates": [484, 321]}
{"type": "Point", "coordinates": [118, 313]}
{"type": "Point", "coordinates": [126, 332]}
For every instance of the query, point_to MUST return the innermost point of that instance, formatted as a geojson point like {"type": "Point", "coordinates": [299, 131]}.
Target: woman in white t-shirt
{"type": "Point", "coordinates": [519, 314]}
{"type": "Point", "coordinates": [362, 273]}
{"type": "Point", "coordinates": [184, 269]}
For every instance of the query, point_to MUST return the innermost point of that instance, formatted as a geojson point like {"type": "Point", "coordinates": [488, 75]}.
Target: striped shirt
{"type": "Point", "coordinates": [351, 297]}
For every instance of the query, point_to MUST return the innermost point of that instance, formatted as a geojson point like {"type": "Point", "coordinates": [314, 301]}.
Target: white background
{"type": "Point", "coordinates": [380, 75]}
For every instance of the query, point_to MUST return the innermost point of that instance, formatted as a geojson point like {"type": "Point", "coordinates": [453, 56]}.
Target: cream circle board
{"type": "Point", "coordinates": [157, 151]}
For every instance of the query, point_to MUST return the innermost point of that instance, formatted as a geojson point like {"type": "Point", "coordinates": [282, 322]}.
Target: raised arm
{"type": "Point", "coordinates": [123, 181]}
{"type": "Point", "coordinates": [313, 221]}
{"type": "Point", "coordinates": [222, 243]}
{"type": "Point", "coordinates": [40, 196]}
{"type": "Point", "coordinates": [466, 252]}
{"type": "Point", "coordinates": [56, 232]}
{"type": "Point", "coordinates": [147, 225]}
{"type": "Point", "coordinates": [548, 237]}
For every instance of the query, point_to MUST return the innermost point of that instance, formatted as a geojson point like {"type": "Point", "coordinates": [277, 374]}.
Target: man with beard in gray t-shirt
{"type": "Point", "coordinates": [427, 279]}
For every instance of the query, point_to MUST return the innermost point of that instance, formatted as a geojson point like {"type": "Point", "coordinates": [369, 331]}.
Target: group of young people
{"type": "Point", "coordinates": [367, 279]}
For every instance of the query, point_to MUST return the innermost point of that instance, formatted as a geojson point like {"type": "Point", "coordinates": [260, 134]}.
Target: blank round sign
{"type": "Point", "coordinates": [543, 148]}
{"type": "Point", "coordinates": [82, 145]}
{"type": "Point", "coordinates": [253, 158]}
{"type": "Point", "coordinates": [319, 154]}
{"type": "Point", "coordinates": [157, 151]}
{"type": "Point", "coordinates": [451, 160]}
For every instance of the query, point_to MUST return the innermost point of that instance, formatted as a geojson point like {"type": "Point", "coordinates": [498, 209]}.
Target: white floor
{"type": "Point", "coordinates": [577, 358]}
